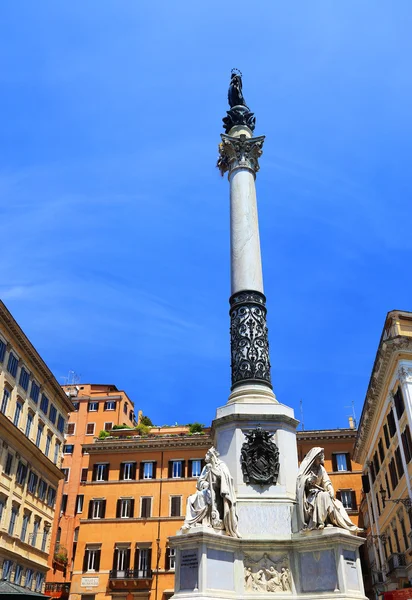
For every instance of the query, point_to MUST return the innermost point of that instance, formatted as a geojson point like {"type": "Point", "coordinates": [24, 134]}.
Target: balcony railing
{"type": "Point", "coordinates": [58, 587]}
{"type": "Point", "coordinates": [395, 561]}
{"type": "Point", "coordinates": [131, 574]}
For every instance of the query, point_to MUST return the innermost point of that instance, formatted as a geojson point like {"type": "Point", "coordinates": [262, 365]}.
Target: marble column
{"type": "Point", "coordinates": [251, 379]}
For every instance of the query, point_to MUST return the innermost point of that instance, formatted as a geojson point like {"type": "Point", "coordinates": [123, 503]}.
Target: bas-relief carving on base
{"type": "Point", "coordinates": [267, 574]}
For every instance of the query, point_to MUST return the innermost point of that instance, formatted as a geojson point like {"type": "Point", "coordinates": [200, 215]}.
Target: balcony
{"type": "Point", "coordinates": [131, 574]}
{"type": "Point", "coordinates": [129, 579]}
{"type": "Point", "coordinates": [396, 565]}
{"type": "Point", "coordinates": [57, 590]}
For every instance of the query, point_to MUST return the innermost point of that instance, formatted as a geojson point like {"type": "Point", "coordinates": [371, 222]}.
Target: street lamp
{"type": "Point", "coordinates": [407, 502]}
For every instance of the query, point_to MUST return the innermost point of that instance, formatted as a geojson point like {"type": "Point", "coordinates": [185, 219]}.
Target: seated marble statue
{"type": "Point", "coordinates": [197, 506]}
{"type": "Point", "coordinates": [317, 504]}
{"type": "Point", "coordinates": [214, 503]}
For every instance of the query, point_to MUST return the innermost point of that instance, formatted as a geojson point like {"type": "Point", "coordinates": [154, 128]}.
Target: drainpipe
{"type": "Point", "coordinates": [159, 551]}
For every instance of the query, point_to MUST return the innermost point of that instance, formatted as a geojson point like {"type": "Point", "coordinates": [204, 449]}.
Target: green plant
{"type": "Point", "coordinates": [146, 421]}
{"type": "Point", "coordinates": [60, 554]}
{"type": "Point", "coordinates": [142, 429]}
{"type": "Point", "coordinates": [103, 435]}
{"type": "Point", "coordinates": [122, 427]}
{"type": "Point", "coordinates": [195, 428]}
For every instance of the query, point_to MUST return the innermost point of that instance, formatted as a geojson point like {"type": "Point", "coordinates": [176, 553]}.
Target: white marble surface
{"type": "Point", "coordinates": [246, 263]}
{"type": "Point", "coordinates": [264, 520]}
{"type": "Point", "coordinates": [220, 567]}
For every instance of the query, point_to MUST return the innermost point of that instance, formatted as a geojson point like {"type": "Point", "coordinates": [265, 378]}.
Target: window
{"type": "Point", "coordinates": [176, 469]}
{"type": "Point", "coordinates": [399, 463]}
{"type": "Point", "coordinates": [388, 488]}
{"type": "Point", "coordinates": [63, 506]}
{"type": "Point", "coordinates": [196, 468]}
{"type": "Point", "coordinates": [142, 561]}
{"type": "Point", "coordinates": [18, 574]}
{"type": "Point", "coordinates": [17, 413]}
{"type": "Point", "coordinates": [170, 559]}
{"type": "Point", "coordinates": [97, 509]}
{"type": "Point", "coordinates": [121, 559]}
{"type": "Point", "coordinates": [146, 508]}
{"type": "Point", "coordinates": [71, 428]}
{"type": "Point", "coordinates": [393, 474]}
{"type": "Point", "coordinates": [404, 534]}
{"type": "Point", "coordinates": [40, 428]}
{"type": "Point", "coordinates": [29, 424]}
{"type": "Point", "coordinates": [372, 471]}
{"type": "Point", "coordinates": [93, 406]}
{"type": "Point", "coordinates": [48, 444]}
{"type": "Point", "coordinates": [175, 506]}
{"type": "Point", "coordinates": [66, 473]}
{"type": "Point", "coordinates": [79, 503]}
{"type": "Point", "coordinates": [110, 405]}
{"type": "Point", "coordinates": [25, 524]}
{"type": "Point", "coordinates": [29, 578]}
{"type": "Point", "coordinates": [377, 503]}
{"type": "Point", "coordinates": [51, 496]}
{"type": "Point", "coordinates": [90, 428]}
{"type": "Point", "coordinates": [39, 582]}
{"type": "Point", "coordinates": [386, 435]}
{"type": "Point", "coordinates": [340, 462]}
{"type": "Point", "coordinates": [399, 403]}
{"type": "Point", "coordinates": [56, 452]}
{"type": "Point", "coordinates": [13, 519]}
{"type": "Point", "coordinates": [53, 414]}
{"type": "Point", "coordinates": [147, 470]}
{"type": "Point", "coordinates": [2, 350]}
{"type": "Point", "coordinates": [60, 424]}
{"type": "Point", "coordinates": [4, 402]}
{"type": "Point", "coordinates": [68, 449]}
{"type": "Point", "coordinates": [42, 489]}
{"type": "Point", "coordinates": [391, 423]}
{"type": "Point", "coordinates": [24, 379]}
{"type": "Point", "coordinates": [407, 444]}
{"type": "Point", "coordinates": [91, 561]}
{"type": "Point", "coordinates": [3, 501]}
{"type": "Point", "coordinates": [44, 539]}
{"type": "Point", "coordinates": [21, 473]}
{"type": "Point", "coordinates": [376, 462]}
{"type": "Point", "coordinates": [76, 406]}
{"type": "Point", "coordinates": [101, 472]}
{"type": "Point", "coordinates": [108, 426]}
{"type": "Point", "coordinates": [125, 508]}
{"type": "Point", "coordinates": [12, 364]}
{"type": "Point", "coordinates": [32, 485]}
{"type": "Point", "coordinates": [34, 392]}
{"type": "Point", "coordinates": [395, 534]}
{"type": "Point", "coordinates": [9, 463]}
{"type": "Point", "coordinates": [125, 408]}
{"type": "Point", "coordinates": [44, 404]}
{"type": "Point", "coordinates": [7, 569]}
{"type": "Point", "coordinates": [83, 476]}
{"type": "Point", "coordinates": [128, 471]}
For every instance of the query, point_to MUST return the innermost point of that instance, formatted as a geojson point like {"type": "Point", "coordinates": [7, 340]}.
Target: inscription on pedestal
{"type": "Point", "coordinates": [351, 572]}
{"type": "Point", "coordinates": [189, 567]}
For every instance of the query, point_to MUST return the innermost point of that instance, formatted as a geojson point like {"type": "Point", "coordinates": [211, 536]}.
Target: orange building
{"type": "Point", "coordinates": [97, 408]}
{"type": "Point", "coordinates": [134, 499]}
{"type": "Point", "coordinates": [344, 473]}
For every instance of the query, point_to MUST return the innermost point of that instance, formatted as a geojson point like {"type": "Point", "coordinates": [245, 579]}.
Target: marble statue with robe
{"type": "Point", "coordinates": [214, 502]}
{"type": "Point", "coordinates": [317, 504]}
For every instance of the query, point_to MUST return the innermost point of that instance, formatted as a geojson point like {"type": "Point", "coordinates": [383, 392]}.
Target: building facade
{"type": "Point", "coordinates": [97, 407]}
{"type": "Point", "coordinates": [33, 416]}
{"type": "Point", "coordinates": [134, 498]}
{"type": "Point", "coordinates": [384, 449]}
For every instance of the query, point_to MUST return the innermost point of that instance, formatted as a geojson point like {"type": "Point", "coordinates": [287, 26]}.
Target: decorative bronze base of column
{"type": "Point", "coordinates": [249, 339]}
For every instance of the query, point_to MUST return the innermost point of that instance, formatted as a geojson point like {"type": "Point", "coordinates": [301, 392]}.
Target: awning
{"type": "Point", "coordinates": [16, 590]}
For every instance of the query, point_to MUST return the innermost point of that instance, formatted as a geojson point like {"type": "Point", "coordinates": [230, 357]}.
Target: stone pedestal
{"type": "Point", "coordinates": [322, 564]}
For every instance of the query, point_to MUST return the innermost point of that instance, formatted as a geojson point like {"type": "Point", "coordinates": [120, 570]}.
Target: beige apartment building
{"type": "Point", "coordinates": [384, 449]}
{"type": "Point", "coordinates": [33, 416]}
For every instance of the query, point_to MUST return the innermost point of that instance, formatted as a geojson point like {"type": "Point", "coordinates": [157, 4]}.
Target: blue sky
{"type": "Point", "coordinates": [115, 254]}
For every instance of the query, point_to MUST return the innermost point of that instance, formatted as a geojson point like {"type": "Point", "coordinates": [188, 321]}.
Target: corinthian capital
{"type": "Point", "coordinates": [239, 152]}
{"type": "Point", "coordinates": [404, 374]}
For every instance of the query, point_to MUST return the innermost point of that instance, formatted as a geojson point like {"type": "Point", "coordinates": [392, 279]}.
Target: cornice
{"type": "Point", "coordinates": [7, 319]}
{"type": "Point", "coordinates": [326, 434]}
{"type": "Point", "coordinates": [386, 354]}
{"type": "Point", "coordinates": [164, 443]}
